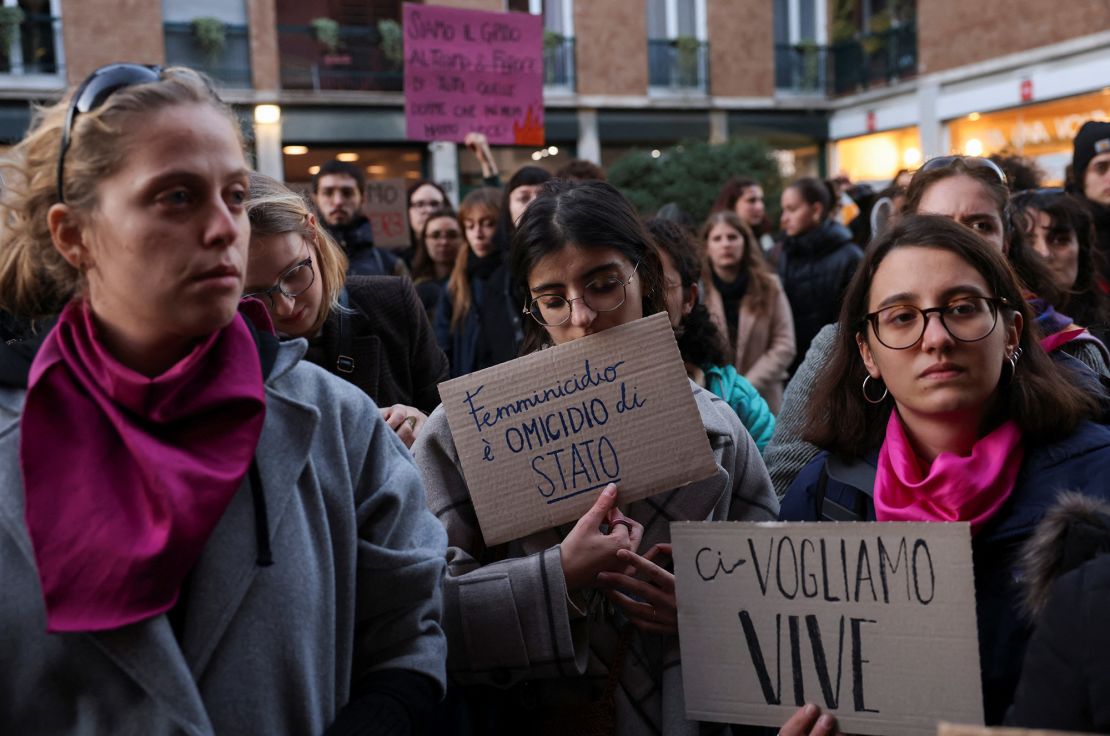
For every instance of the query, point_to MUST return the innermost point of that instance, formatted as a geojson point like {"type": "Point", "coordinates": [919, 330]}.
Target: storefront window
{"type": "Point", "coordinates": [878, 157]}
{"type": "Point", "coordinates": [379, 162]}
{"type": "Point", "coordinates": [1042, 132]}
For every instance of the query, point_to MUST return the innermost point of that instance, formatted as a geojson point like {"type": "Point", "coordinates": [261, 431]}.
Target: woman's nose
{"type": "Point", "coordinates": [581, 315]}
{"type": "Point", "coordinates": [284, 305]}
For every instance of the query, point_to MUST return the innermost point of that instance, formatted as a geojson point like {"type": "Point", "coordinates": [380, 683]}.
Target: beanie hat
{"type": "Point", "coordinates": [1091, 140]}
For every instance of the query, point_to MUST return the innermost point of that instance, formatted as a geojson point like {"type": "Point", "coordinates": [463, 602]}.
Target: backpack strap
{"type": "Point", "coordinates": [858, 475]}
{"type": "Point", "coordinates": [344, 363]}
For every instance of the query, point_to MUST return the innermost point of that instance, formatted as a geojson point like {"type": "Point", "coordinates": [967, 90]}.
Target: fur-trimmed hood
{"type": "Point", "coordinates": [1075, 530]}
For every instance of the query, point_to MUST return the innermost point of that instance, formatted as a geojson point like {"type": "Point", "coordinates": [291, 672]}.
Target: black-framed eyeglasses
{"type": "Point", "coordinates": [967, 319]}
{"type": "Point", "coordinates": [604, 294]}
{"type": "Point", "coordinates": [292, 283]}
{"type": "Point", "coordinates": [97, 87]}
{"type": "Point", "coordinates": [972, 162]}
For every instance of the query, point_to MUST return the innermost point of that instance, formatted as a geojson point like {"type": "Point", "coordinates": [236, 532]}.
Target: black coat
{"type": "Point", "coordinates": [364, 258]}
{"type": "Point", "coordinates": [1065, 680]}
{"type": "Point", "coordinates": [396, 359]}
{"type": "Point", "coordinates": [815, 268]}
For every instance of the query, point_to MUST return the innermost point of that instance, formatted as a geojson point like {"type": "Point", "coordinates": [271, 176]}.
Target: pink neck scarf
{"type": "Point", "coordinates": [956, 488]}
{"type": "Point", "coordinates": [126, 476]}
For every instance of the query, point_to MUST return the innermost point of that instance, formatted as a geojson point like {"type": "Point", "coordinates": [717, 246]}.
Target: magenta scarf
{"type": "Point", "coordinates": [126, 476]}
{"type": "Point", "coordinates": [955, 488]}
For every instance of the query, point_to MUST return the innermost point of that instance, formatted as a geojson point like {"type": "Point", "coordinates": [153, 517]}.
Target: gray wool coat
{"type": "Point", "coordinates": [507, 614]}
{"type": "Point", "coordinates": [355, 586]}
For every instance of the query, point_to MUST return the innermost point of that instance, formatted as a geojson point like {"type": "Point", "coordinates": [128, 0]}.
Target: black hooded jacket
{"type": "Point", "coordinates": [816, 267]}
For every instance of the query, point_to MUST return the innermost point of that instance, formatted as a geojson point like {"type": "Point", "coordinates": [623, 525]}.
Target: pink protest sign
{"type": "Point", "coordinates": [471, 71]}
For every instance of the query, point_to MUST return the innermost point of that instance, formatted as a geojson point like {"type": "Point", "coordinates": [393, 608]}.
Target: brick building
{"type": "Point", "coordinates": [867, 86]}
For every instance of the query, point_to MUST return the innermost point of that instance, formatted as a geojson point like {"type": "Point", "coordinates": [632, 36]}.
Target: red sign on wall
{"type": "Point", "coordinates": [1027, 90]}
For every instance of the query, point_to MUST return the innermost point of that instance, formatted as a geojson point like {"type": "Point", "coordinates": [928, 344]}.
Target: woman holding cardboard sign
{"type": "Point", "coordinates": [950, 410]}
{"type": "Point", "coordinates": [533, 636]}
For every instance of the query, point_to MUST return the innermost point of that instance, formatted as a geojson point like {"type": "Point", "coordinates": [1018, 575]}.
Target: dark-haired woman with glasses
{"type": "Point", "coordinates": [199, 532]}
{"type": "Point", "coordinates": [571, 629]}
{"type": "Point", "coordinates": [938, 403]}
{"type": "Point", "coordinates": [369, 330]}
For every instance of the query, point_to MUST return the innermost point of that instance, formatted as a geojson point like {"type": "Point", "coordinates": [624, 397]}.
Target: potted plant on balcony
{"type": "Point", "coordinates": [10, 18]}
{"type": "Point", "coordinates": [326, 31]}
{"type": "Point", "coordinates": [686, 60]}
{"type": "Point", "coordinates": [392, 44]}
{"type": "Point", "coordinates": [210, 36]}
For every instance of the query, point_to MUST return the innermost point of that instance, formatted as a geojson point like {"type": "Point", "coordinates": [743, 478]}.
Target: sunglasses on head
{"type": "Point", "coordinates": [98, 87]}
{"type": "Point", "coordinates": [971, 162]}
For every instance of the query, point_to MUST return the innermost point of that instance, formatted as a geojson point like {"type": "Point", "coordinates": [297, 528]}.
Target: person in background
{"type": "Point", "coordinates": [459, 324]}
{"type": "Point", "coordinates": [818, 260]}
{"type": "Point", "coordinates": [338, 190]}
{"type": "Point", "coordinates": [744, 196]}
{"type": "Point", "coordinates": [1090, 180]}
{"type": "Point", "coordinates": [1060, 230]}
{"type": "Point", "coordinates": [699, 341]}
{"type": "Point", "coordinates": [748, 305]}
{"type": "Point", "coordinates": [531, 637]}
{"type": "Point", "coordinates": [938, 403]}
{"type": "Point", "coordinates": [1021, 173]}
{"type": "Point", "coordinates": [436, 252]}
{"type": "Point", "coordinates": [423, 198]}
{"type": "Point", "coordinates": [368, 330]}
{"type": "Point", "coordinates": [202, 532]}
{"type": "Point", "coordinates": [580, 170]}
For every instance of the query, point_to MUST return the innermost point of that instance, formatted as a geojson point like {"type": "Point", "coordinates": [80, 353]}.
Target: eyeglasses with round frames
{"type": "Point", "coordinates": [605, 294]}
{"type": "Point", "coordinates": [967, 319]}
{"type": "Point", "coordinates": [292, 283]}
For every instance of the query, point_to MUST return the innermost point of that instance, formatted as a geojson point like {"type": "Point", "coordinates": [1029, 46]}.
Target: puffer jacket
{"type": "Point", "coordinates": [1079, 462]}
{"type": "Point", "coordinates": [740, 394]}
{"type": "Point", "coordinates": [815, 268]}
{"type": "Point", "coordinates": [1065, 679]}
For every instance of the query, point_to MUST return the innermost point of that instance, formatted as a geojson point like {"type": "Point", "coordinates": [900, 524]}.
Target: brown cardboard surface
{"type": "Point", "coordinates": [953, 729]}
{"type": "Point", "coordinates": [889, 608]}
{"type": "Point", "coordinates": [539, 437]}
{"type": "Point", "coordinates": [387, 209]}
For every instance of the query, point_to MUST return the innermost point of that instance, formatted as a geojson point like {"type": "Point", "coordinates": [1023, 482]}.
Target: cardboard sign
{"type": "Point", "coordinates": [951, 729]}
{"type": "Point", "coordinates": [873, 622]}
{"type": "Point", "coordinates": [472, 71]}
{"type": "Point", "coordinates": [539, 437]}
{"type": "Point", "coordinates": [388, 212]}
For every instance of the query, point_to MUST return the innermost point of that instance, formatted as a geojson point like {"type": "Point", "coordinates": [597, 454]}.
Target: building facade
{"type": "Point", "coordinates": [863, 86]}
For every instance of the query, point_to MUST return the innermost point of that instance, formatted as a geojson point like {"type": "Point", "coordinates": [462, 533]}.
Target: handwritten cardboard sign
{"type": "Point", "coordinates": [874, 622]}
{"type": "Point", "coordinates": [539, 437]}
{"type": "Point", "coordinates": [951, 729]}
{"type": "Point", "coordinates": [387, 210]}
{"type": "Point", "coordinates": [473, 71]}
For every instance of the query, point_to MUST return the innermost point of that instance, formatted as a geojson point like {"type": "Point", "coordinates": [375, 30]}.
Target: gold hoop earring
{"type": "Point", "coordinates": [867, 398]}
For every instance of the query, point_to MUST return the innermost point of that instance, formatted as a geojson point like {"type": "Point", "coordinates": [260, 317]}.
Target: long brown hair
{"type": "Point", "coordinates": [483, 202]}
{"type": "Point", "coordinates": [761, 285]}
{"type": "Point", "coordinates": [1042, 400]}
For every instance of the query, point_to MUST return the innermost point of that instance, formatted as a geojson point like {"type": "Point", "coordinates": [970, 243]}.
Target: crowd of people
{"type": "Point", "coordinates": [233, 502]}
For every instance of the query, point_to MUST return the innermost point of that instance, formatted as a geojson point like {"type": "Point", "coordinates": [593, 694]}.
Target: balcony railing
{"type": "Point", "coordinates": [801, 68]}
{"type": "Point", "coordinates": [678, 64]}
{"type": "Point", "coordinates": [33, 49]}
{"type": "Point", "coordinates": [359, 62]}
{"type": "Point", "coordinates": [229, 64]}
{"type": "Point", "coordinates": [558, 63]}
{"type": "Point", "coordinates": [876, 59]}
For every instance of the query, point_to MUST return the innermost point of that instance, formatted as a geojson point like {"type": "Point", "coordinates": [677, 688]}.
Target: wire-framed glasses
{"type": "Point", "coordinates": [603, 294]}
{"type": "Point", "coordinates": [967, 319]}
{"type": "Point", "coordinates": [292, 283]}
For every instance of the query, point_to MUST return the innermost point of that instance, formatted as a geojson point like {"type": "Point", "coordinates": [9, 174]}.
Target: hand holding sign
{"type": "Point", "coordinates": [657, 610]}
{"type": "Point", "coordinates": [808, 721]}
{"type": "Point", "coordinates": [587, 551]}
